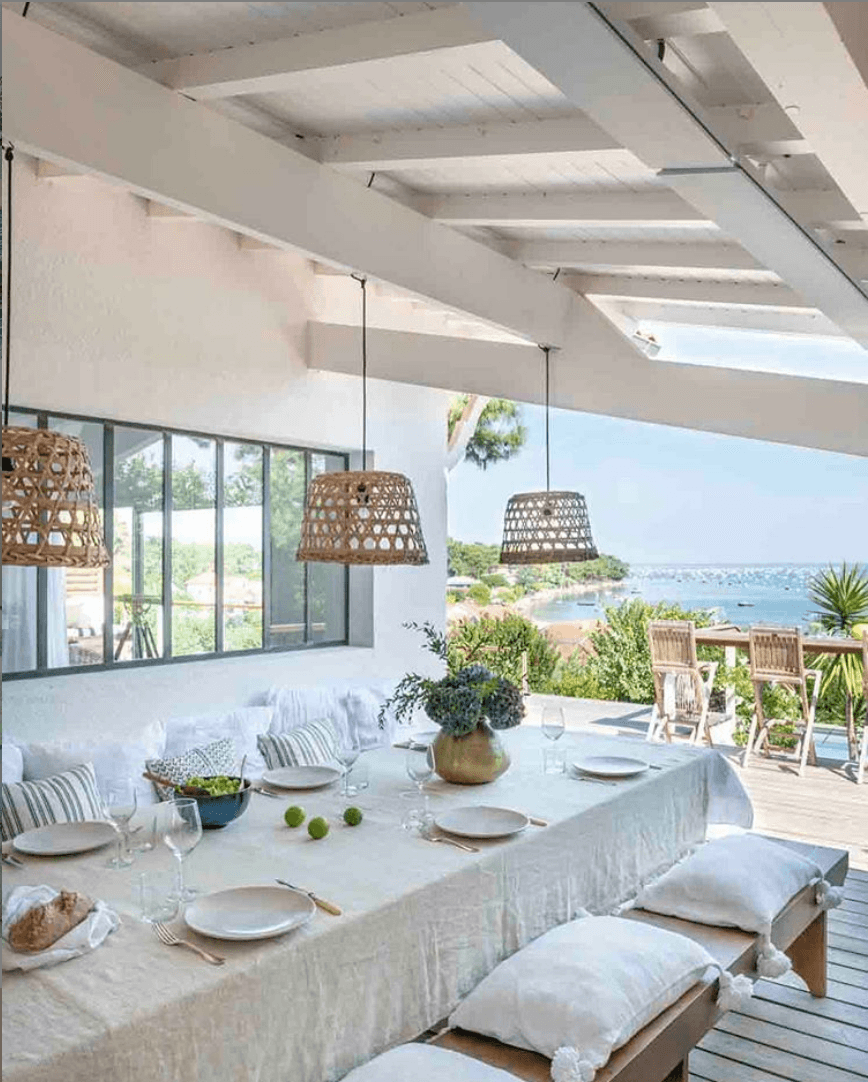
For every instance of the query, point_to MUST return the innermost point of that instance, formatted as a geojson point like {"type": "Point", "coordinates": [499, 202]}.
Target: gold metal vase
{"type": "Point", "coordinates": [473, 759]}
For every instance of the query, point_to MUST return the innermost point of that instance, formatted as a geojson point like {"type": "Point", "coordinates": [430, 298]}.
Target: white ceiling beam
{"type": "Point", "coordinates": [760, 130]}
{"type": "Point", "coordinates": [677, 24]}
{"type": "Point", "coordinates": [770, 320]}
{"type": "Point", "coordinates": [272, 66]}
{"type": "Point", "coordinates": [165, 147]}
{"type": "Point", "coordinates": [799, 52]}
{"type": "Point", "coordinates": [610, 74]}
{"type": "Point", "coordinates": [163, 212]}
{"type": "Point", "coordinates": [585, 253]}
{"type": "Point", "coordinates": [420, 146]}
{"type": "Point", "coordinates": [50, 171]}
{"type": "Point", "coordinates": [825, 414]}
{"type": "Point", "coordinates": [565, 208]}
{"type": "Point", "coordinates": [763, 294]}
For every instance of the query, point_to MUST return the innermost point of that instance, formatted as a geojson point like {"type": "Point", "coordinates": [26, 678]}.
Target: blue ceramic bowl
{"type": "Point", "coordinates": [217, 811]}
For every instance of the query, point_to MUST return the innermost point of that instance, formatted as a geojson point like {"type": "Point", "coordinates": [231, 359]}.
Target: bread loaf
{"type": "Point", "coordinates": [45, 924]}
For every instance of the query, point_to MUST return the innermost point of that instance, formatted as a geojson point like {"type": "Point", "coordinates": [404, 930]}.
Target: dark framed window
{"type": "Point", "coordinates": [203, 531]}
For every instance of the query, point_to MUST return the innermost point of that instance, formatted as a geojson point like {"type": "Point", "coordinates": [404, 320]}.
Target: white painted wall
{"type": "Point", "coordinates": [120, 315]}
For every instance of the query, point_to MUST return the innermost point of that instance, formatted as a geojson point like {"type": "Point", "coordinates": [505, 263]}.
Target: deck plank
{"type": "Point", "coordinates": [846, 960]}
{"type": "Point", "coordinates": [778, 1061]}
{"type": "Point", "coordinates": [848, 943]}
{"type": "Point", "coordinates": [801, 1000]}
{"type": "Point", "coordinates": [806, 1045]}
{"type": "Point", "coordinates": [827, 1029]}
{"type": "Point", "coordinates": [853, 929]}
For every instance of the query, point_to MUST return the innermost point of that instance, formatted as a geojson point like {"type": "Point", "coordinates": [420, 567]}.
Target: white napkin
{"type": "Point", "coordinates": [85, 937]}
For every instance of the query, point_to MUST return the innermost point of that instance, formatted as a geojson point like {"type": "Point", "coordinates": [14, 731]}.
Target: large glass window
{"type": "Point", "coordinates": [203, 533]}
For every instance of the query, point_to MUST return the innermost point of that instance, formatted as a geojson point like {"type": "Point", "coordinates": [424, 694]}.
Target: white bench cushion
{"type": "Point", "coordinates": [424, 1063]}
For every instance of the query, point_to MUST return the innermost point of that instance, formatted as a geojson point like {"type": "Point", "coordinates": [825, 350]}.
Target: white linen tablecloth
{"type": "Point", "coordinates": [422, 923]}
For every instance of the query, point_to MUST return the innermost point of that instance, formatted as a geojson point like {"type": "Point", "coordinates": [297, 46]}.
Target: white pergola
{"type": "Point", "coordinates": [549, 173]}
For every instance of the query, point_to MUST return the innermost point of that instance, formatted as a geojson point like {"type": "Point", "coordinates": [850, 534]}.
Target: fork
{"type": "Point", "coordinates": [171, 940]}
{"type": "Point", "coordinates": [429, 836]}
{"type": "Point", "coordinates": [13, 862]}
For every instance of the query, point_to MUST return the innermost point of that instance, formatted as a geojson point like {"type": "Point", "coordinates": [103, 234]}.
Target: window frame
{"type": "Point", "coordinates": [109, 664]}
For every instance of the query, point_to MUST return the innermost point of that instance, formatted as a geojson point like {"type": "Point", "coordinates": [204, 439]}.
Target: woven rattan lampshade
{"type": "Point", "coordinates": [362, 517]}
{"type": "Point", "coordinates": [547, 527]}
{"type": "Point", "coordinates": [50, 516]}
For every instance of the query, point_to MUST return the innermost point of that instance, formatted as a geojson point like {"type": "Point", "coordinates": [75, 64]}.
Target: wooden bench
{"type": "Point", "coordinates": [659, 1052]}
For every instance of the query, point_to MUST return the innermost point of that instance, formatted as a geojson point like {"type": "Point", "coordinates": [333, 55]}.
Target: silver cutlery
{"type": "Point", "coordinates": [597, 781]}
{"type": "Point", "coordinates": [429, 836]}
{"type": "Point", "coordinates": [171, 940]}
{"type": "Point", "coordinates": [12, 861]}
{"type": "Point", "coordinates": [265, 792]}
{"type": "Point", "coordinates": [329, 907]}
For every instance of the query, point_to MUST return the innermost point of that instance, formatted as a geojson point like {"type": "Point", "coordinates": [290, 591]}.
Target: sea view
{"type": "Point", "coordinates": [741, 594]}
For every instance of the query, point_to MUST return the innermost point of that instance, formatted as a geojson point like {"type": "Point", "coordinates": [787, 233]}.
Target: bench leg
{"type": "Point", "coordinates": [679, 1074]}
{"type": "Point", "coordinates": [808, 955]}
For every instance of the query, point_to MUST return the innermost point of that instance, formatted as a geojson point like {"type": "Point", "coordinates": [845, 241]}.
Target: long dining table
{"type": "Point", "coordinates": [422, 923]}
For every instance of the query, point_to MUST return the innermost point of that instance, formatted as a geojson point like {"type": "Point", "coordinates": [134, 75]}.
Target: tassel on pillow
{"type": "Point", "coordinates": [770, 962]}
{"type": "Point", "coordinates": [569, 1066]}
{"type": "Point", "coordinates": [734, 991]}
{"type": "Point", "coordinates": [828, 897]}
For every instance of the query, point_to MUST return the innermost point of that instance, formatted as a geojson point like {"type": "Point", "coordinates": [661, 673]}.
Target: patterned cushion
{"type": "Point", "coordinates": [308, 745]}
{"type": "Point", "coordinates": [216, 758]}
{"type": "Point", "coordinates": [70, 797]}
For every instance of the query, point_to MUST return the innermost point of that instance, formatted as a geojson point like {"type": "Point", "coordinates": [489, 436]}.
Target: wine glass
{"type": "Point", "coordinates": [182, 832]}
{"type": "Point", "coordinates": [348, 752]}
{"type": "Point", "coordinates": [119, 802]}
{"type": "Point", "coordinates": [419, 764]}
{"type": "Point", "coordinates": [553, 728]}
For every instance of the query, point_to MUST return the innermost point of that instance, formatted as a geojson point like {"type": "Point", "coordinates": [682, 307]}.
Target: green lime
{"type": "Point", "coordinates": [294, 816]}
{"type": "Point", "coordinates": [353, 816]}
{"type": "Point", "coordinates": [318, 828]}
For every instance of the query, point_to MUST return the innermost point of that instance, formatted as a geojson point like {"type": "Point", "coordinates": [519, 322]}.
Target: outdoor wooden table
{"type": "Point", "coordinates": [710, 636]}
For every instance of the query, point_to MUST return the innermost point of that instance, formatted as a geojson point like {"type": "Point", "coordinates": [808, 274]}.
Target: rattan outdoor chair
{"type": "Point", "coordinates": [682, 683]}
{"type": "Point", "coordinates": [862, 760]}
{"type": "Point", "coordinates": [777, 657]}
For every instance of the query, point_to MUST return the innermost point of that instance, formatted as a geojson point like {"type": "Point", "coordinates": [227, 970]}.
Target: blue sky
{"type": "Point", "coordinates": [658, 494]}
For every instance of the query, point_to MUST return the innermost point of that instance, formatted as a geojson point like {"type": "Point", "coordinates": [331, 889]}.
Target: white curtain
{"type": "Point", "coordinates": [19, 619]}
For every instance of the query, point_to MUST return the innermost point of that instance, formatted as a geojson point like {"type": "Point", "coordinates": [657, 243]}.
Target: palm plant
{"type": "Point", "coordinates": [840, 597]}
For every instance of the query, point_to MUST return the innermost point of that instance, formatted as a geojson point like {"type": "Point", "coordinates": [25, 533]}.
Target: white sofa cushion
{"type": "Point", "coordinates": [363, 704]}
{"type": "Point", "coordinates": [112, 760]}
{"type": "Point", "coordinates": [69, 797]}
{"type": "Point", "coordinates": [307, 745]}
{"type": "Point", "coordinates": [425, 1063]}
{"type": "Point", "coordinates": [242, 726]}
{"type": "Point", "coordinates": [589, 985]}
{"type": "Point", "coordinates": [740, 881]}
{"type": "Point", "coordinates": [13, 762]}
{"type": "Point", "coordinates": [297, 706]}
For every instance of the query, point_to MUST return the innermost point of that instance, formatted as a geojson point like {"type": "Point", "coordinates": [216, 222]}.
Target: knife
{"type": "Point", "coordinates": [329, 907]}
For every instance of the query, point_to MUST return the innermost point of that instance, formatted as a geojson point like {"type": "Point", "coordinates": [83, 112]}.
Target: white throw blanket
{"type": "Point", "coordinates": [84, 937]}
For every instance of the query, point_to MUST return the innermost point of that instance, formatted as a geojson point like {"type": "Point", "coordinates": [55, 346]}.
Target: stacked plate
{"type": "Point", "coordinates": [610, 766]}
{"type": "Point", "coordinates": [301, 777]}
{"type": "Point", "coordinates": [63, 839]}
{"type": "Point", "coordinates": [481, 821]}
{"type": "Point", "coordinates": [249, 912]}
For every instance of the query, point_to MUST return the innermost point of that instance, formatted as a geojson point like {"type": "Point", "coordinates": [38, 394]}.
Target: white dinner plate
{"type": "Point", "coordinates": [61, 839]}
{"type": "Point", "coordinates": [610, 766]}
{"type": "Point", "coordinates": [249, 912]}
{"type": "Point", "coordinates": [301, 777]}
{"type": "Point", "coordinates": [482, 822]}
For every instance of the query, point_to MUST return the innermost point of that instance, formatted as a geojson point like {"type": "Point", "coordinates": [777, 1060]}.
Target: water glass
{"type": "Point", "coordinates": [182, 832]}
{"type": "Point", "coordinates": [347, 754]}
{"type": "Point", "coordinates": [419, 764]}
{"type": "Point", "coordinates": [119, 803]}
{"type": "Point", "coordinates": [155, 895]}
{"type": "Point", "coordinates": [552, 725]}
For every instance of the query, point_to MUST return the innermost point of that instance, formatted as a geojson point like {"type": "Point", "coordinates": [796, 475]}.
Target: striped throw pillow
{"type": "Point", "coordinates": [206, 760]}
{"type": "Point", "coordinates": [308, 745]}
{"type": "Point", "coordinates": [70, 797]}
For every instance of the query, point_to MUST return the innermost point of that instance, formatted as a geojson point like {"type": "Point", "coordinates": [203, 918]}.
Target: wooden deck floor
{"type": "Point", "coordinates": [786, 1034]}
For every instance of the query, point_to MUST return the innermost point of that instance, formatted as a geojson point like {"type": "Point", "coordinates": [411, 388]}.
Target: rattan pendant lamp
{"type": "Point", "coordinates": [362, 516]}
{"type": "Point", "coordinates": [50, 516]}
{"type": "Point", "coordinates": [547, 527]}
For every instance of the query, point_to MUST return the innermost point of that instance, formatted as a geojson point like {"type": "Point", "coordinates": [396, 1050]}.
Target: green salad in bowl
{"type": "Point", "coordinates": [220, 785]}
{"type": "Point", "coordinates": [227, 798]}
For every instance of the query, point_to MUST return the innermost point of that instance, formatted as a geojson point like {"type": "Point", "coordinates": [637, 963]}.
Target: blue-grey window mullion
{"type": "Point", "coordinates": [308, 628]}
{"type": "Point", "coordinates": [167, 545]}
{"type": "Point", "coordinates": [42, 595]}
{"type": "Point", "coordinates": [346, 637]}
{"type": "Point", "coordinates": [108, 525]}
{"type": "Point", "coordinates": [218, 550]}
{"type": "Point", "coordinates": [266, 547]}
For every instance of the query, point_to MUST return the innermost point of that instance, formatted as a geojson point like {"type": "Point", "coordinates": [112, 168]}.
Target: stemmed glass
{"type": "Point", "coordinates": [348, 752]}
{"type": "Point", "coordinates": [182, 832]}
{"type": "Point", "coordinates": [119, 802]}
{"type": "Point", "coordinates": [419, 764]}
{"type": "Point", "coordinates": [553, 729]}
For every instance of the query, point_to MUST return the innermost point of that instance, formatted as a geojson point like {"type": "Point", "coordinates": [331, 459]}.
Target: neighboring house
{"type": "Point", "coordinates": [461, 583]}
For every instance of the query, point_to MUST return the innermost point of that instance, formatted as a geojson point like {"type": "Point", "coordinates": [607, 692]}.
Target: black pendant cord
{"type": "Point", "coordinates": [363, 282]}
{"type": "Point", "coordinates": [547, 350]}
{"type": "Point", "coordinates": [9, 156]}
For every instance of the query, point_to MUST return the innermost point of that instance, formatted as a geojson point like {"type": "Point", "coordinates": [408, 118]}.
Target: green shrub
{"type": "Point", "coordinates": [498, 642]}
{"type": "Point", "coordinates": [480, 593]}
{"type": "Point", "coordinates": [495, 580]}
{"type": "Point", "coordinates": [452, 597]}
